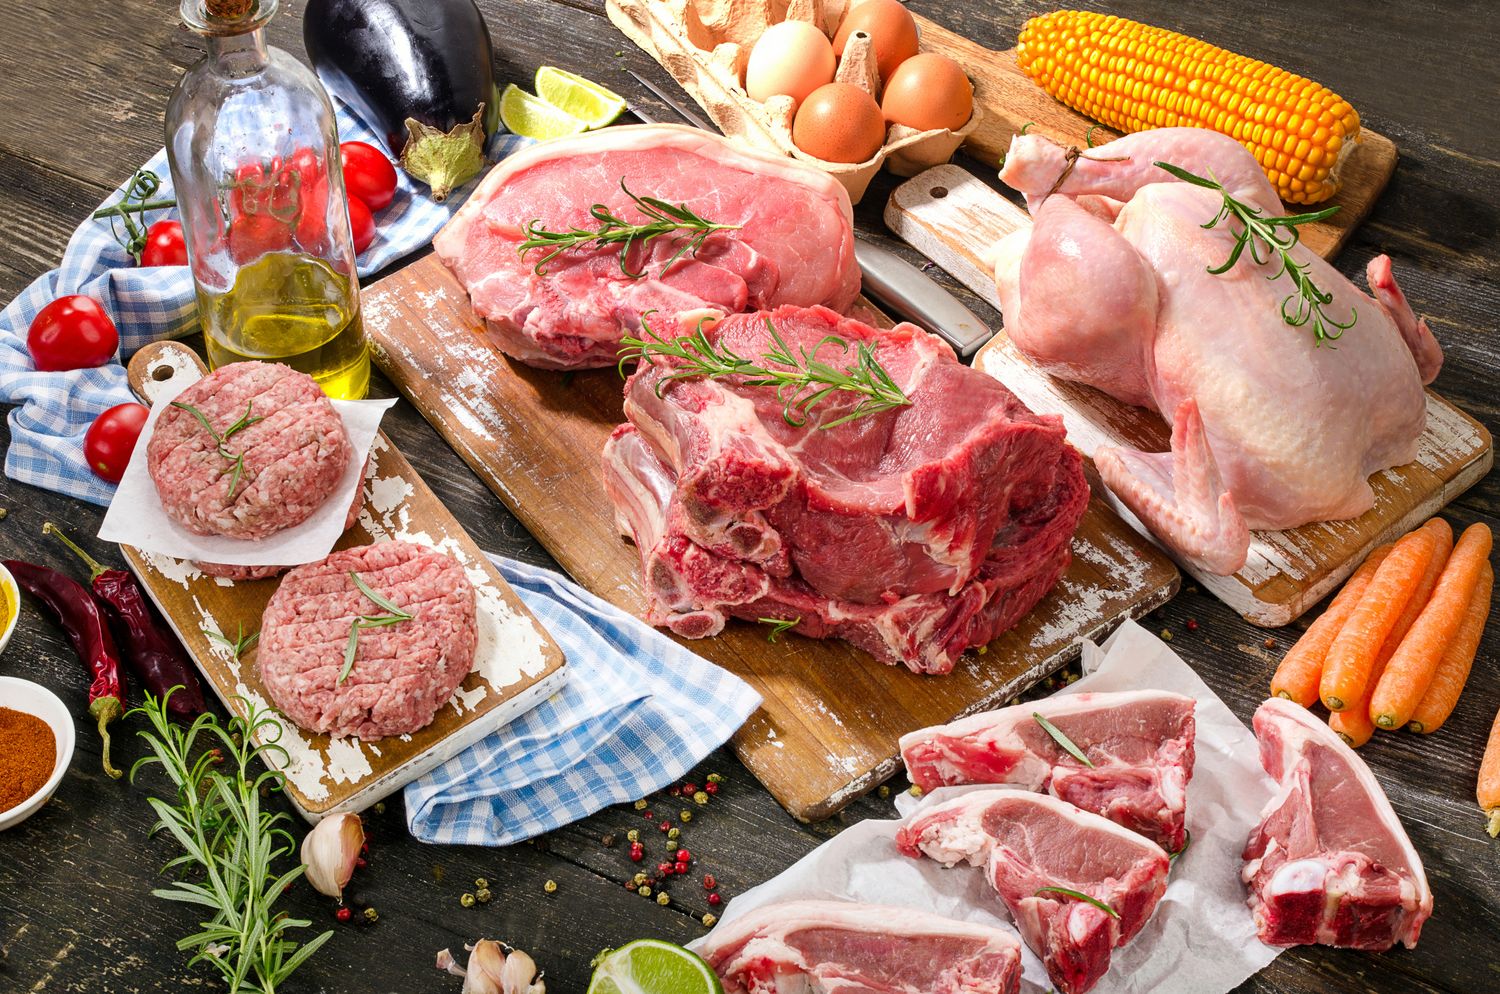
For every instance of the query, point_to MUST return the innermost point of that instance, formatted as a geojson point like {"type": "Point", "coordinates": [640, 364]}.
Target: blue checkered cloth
{"type": "Point", "coordinates": [54, 410]}
{"type": "Point", "coordinates": [637, 713]}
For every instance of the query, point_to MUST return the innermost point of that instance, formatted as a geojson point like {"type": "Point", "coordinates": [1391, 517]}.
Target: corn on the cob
{"type": "Point", "coordinates": [1133, 77]}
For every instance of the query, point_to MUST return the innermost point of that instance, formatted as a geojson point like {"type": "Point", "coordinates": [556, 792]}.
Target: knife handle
{"type": "Point", "coordinates": [918, 298]}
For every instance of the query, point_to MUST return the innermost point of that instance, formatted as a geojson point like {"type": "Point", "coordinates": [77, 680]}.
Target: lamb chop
{"type": "Point", "coordinates": [1272, 427]}
{"type": "Point", "coordinates": [838, 947]}
{"type": "Point", "coordinates": [1077, 885]}
{"type": "Point", "coordinates": [1138, 747]}
{"type": "Point", "coordinates": [786, 237]}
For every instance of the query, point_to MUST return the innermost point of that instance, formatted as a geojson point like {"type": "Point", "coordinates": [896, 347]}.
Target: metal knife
{"type": "Point", "coordinates": [890, 279]}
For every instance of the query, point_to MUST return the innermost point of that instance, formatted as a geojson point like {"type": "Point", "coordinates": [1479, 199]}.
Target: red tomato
{"type": "Point", "coordinates": [111, 439]}
{"type": "Point", "coordinates": [368, 174]}
{"type": "Point", "coordinates": [253, 235]}
{"type": "Point", "coordinates": [361, 225]}
{"type": "Point", "coordinates": [165, 245]}
{"type": "Point", "coordinates": [72, 333]}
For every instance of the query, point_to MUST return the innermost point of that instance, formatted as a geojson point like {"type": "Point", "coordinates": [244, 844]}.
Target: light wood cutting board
{"type": "Point", "coordinates": [1011, 101]}
{"type": "Point", "coordinates": [832, 715]}
{"type": "Point", "coordinates": [326, 775]}
{"type": "Point", "coordinates": [953, 218]}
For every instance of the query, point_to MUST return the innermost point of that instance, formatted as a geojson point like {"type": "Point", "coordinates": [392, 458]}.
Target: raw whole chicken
{"type": "Point", "coordinates": [1270, 429]}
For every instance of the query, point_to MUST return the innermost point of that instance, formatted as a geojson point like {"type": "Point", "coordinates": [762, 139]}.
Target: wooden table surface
{"type": "Point", "coordinates": [83, 92]}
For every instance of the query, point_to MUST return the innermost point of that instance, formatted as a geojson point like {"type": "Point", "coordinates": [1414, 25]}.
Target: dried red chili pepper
{"type": "Point", "coordinates": [154, 653]}
{"type": "Point", "coordinates": [82, 617]}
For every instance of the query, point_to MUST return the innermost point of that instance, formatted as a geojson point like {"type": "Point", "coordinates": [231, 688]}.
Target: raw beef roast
{"type": "Point", "coordinates": [794, 243]}
{"type": "Point", "coordinates": [913, 533]}
{"type": "Point", "coordinates": [1329, 862]}
{"type": "Point", "coordinates": [1140, 743]}
{"type": "Point", "coordinates": [1029, 843]}
{"type": "Point", "coordinates": [845, 948]}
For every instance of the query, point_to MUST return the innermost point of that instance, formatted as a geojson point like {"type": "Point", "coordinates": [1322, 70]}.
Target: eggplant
{"type": "Point", "coordinates": [419, 71]}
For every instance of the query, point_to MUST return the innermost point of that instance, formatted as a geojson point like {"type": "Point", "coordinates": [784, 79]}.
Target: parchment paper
{"type": "Point", "coordinates": [1201, 939]}
{"type": "Point", "coordinates": [136, 518]}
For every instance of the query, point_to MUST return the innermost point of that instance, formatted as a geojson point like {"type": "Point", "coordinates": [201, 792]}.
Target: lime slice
{"type": "Point", "coordinates": [583, 98]}
{"type": "Point", "coordinates": [531, 117]}
{"type": "Point", "coordinates": [648, 966]}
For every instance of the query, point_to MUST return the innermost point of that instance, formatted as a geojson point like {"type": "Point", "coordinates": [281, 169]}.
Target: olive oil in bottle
{"type": "Point", "coordinates": [254, 152]}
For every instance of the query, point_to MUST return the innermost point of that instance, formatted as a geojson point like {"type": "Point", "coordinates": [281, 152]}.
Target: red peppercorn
{"type": "Point", "coordinates": [664, 868]}
{"type": "Point", "coordinates": [709, 883]}
{"type": "Point", "coordinates": [361, 862]}
{"type": "Point", "coordinates": [690, 789]}
{"type": "Point", "coordinates": [674, 791]}
{"type": "Point", "coordinates": [665, 826]}
{"type": "Point", "coordinates": [683, 855]}
{"type": "Point", "coordinates": [710, 788]}
{"type": "Point", "coordinates": [1192, 625]}
{"type": "Point", "coordinates": [637, 852]}
{"type": "Point", "coordinates": [715, 899]}
{"type": "Point", "coordinates": [680, 867]}
{"type": "Point", "coordinates": [648, 815]}
{"type": "Point", "coordinates": [343, 914]}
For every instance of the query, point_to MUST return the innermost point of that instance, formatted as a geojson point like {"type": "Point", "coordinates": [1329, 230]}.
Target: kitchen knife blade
{"type": "Point", "coordinates": [890, 279]}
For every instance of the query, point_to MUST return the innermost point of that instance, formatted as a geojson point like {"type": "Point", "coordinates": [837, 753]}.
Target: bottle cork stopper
{"type": "Point", "coordinates": [230, 10]}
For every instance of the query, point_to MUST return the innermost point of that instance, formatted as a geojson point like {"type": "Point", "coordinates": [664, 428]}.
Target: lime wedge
{"type": "Point", "coordinates": [649, 966]}
{"type": "Point", "coordinates": [531, 117]}
{"type": "Point", "coordinates": [583, 98]}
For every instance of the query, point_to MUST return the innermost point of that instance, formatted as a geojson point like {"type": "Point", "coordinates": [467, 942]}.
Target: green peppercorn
{"type": "Point", "coordinates": [643, 890]}
{"type": "Point", "coordinates": [700, 798]}
{"type": "Point", "coordinates": [380, 807]}
{"type": "Point", "coordinates": [915, 791]}
{"type": "Point", "coordinates": [663, 899]}
{"type": "Point", "coordinates": [372, 916]}
{"type": "Point", "coordinates": [715, 778]}
{"type": "Point", "coordinates": [884, 791]}
{"type": "Point", "coordinates": [640, 878]}
{"type": "Point", "coordinates": [685, 816]}
{"type": "Point", "coordinates": [467, 900]}
{"type": "Point", "coordinates": [709, 921]}
{"type": "Point", "coordinates": [673, 834]}
{"type": "Point", "coordinates": [481, 883]}
{"type": "Point", "coordinates": [1166, 635]}
{"type": "Point", "coordinates": [633, 835]}
{"type": "Point", "coordinates": [550, 887]}
{"type": "Point", "coordinates": [483, 895]}
{"type": "Point", "coordinates": [641, 804]}
{"type": "Point", "coordinates": [438, 873]}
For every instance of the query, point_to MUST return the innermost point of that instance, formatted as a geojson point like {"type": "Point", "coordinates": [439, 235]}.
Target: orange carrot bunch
{"type": "Point", "coordinates": [1396, 645]}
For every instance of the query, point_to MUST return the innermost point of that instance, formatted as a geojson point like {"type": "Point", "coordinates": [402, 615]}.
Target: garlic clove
{"type": "Point", "coordinates": [494, 969]}
{"type": "Point", "coordinates": [330, 851]}
{"type": "Point", "coordinates": [518, 975]}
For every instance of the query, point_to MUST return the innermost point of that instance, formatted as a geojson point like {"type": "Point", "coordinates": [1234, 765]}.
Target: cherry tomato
{"type": "Point", "coordinates": [361, 225]}
{"type": "Point", "coordinates": [368, 174]}
{"type": "Point", "coordinates": [253, 235]}
{"type": "Point", "coordinates": [72, 333]}
{"type": "Point", "coordinates": [111, 439]}
{"type": "Point", "coordinates": [165, 245]}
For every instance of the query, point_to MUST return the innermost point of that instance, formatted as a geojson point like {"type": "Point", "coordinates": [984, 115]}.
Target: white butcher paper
{"type": "Point", "coordinates": [136, 517]}
{"type": "Point", "coordinates": [1201, 938]}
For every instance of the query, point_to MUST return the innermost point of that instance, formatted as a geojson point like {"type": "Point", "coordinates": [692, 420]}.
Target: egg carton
{"type": "Point", "coordinates": [705, 44]}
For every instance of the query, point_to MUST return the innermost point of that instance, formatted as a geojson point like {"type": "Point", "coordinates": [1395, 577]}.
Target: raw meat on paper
{"type": "Point", "coordinates": [913, 533]}
{"type": "Point", "coordinates": [794, 243]}
{"type": "Point", "coordinates": [1270, 428]}
{"type": "Point", "coordinates": [1139, 742]}
{"type": "Point", "coordinates": [1329, 862]}
{"type": "Point", "coordinates": [1030, 842]}
{"type": "Point", "coordinates": [838, 947]}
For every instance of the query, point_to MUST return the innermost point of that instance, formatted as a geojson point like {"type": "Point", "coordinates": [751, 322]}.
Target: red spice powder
{"type": "Point", "coordinates": [28, 754]}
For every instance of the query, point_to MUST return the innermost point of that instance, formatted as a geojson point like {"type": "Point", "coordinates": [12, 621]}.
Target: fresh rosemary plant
{"type": "Point", "coordinates": [236, 645]}
{"type": "Point", "coordinates": [1061, 739]}
{"type": "Point", "coordinates": [230, 844]}
{"type": "Point", "coordinates": [396, 616]}
{"type": "Point", "coordinates": [802, 380]}
{"type": "Point", "coordinates": [236, 459]}
{"type": "Point", "coordinates": [779, 626]}
{"type": "Point", "coordinates": [1079, 895]}
{"type": "Point", "coordinates": [1267, 236]}
{"type": "Point", "coordinates": [662, 219]}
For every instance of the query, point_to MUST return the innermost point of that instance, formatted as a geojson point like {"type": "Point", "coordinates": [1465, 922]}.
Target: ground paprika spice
{"type": "Point", "coordinates": [28, 753]}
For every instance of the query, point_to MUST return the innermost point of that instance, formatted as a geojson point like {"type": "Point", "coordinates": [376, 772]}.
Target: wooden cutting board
{"type": "Point", "coordinates": [1011, 101]}
{"type": "Point", "coordinates": [953, 218]}
{"type": "Point", "coordinates": [832, 715]}
{"type": "Point", "coordinates": [520, 665]}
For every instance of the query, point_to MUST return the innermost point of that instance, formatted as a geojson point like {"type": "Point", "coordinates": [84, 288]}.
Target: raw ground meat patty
{"type": "Point", "coordinates": [402, 672]}
{"type": "Point", "coordinates": [294, 456]}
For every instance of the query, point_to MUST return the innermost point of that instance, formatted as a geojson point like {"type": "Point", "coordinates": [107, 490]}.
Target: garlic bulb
{"type": "Point", "coordinates": [330, 851]}
{"type": "Point", "coordinates": [494, 968]}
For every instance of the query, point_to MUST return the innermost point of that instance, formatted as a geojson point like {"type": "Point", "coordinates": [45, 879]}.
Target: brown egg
{"type": "Point", "coordinates": [927, 92]}
{"type": "Point", "coordinates": [892, 31]}
{"type": "Point", "coordinates": [792, 58]}
{"type": "Point", "coordinates": [839, 122]}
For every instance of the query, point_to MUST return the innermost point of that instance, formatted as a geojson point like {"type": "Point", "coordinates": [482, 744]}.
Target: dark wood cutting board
{"type": "Point", "coordinates": [832, 715]}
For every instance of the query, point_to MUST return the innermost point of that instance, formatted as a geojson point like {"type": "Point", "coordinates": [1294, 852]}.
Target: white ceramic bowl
{"type": "Point", "coordinates": [33, 698]}
{"type": "Point", "coordinates": [12, 605]}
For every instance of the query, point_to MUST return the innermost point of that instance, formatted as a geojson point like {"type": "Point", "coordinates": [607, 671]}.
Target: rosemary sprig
{"type": "Point", "coordinates": [367, 621]}
{"type": "Point", "coordinates": [802, 380]}
{"type": "Point", "coordinates": [236, 459]}
{"type": "Point", "coordinates": [1267, 236]}
{"type": "Point", "coordinates": [1061, 739]}
{"type": "Point", "coordinates": [662, 219]}
{"type": "Point", "coordinates": [130, 210]}
{"type": "Point", "coordinates": [229, 842]}
{"type": "Point", "coordinates": [1187, 840]}
{"type": "Point", "coordinates": [238, 645]}
{"type": "Point", "coordinates": [779, 625]}
{"type": "Point", "coordinates": [1079, 895]}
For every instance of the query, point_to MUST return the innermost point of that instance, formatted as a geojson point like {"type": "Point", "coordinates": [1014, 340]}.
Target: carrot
{"type": "Point", "coordinates": [1346, 671]}
{"type": "Point", "coordinates": [1297, 677]}
{"type": "Point", "coordinates": [1353, 723]}
{"type": "Point", "coordinates": [1410, 671]}
{"type": "Point", "coordinates": [1458, 659]}
{"type": "Point", "coordinates": [1488, 790]}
